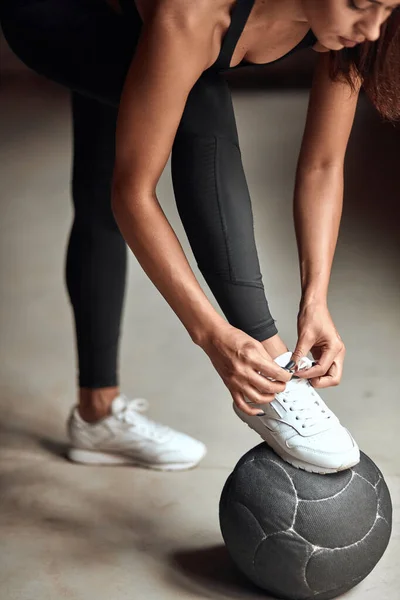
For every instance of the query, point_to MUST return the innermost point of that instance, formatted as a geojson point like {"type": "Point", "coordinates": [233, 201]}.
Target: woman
{"type": "Point", "coordinates": [153, 75]}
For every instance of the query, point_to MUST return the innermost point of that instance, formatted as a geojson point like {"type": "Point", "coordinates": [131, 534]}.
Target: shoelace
{"type": "Point", "coordinates": [130, 414]}
{"type": "Point", "coordinates": [302, 398]}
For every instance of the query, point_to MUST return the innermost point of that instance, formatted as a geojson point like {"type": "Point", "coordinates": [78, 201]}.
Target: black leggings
{"type": "Point", "coordinates": [87, 46]}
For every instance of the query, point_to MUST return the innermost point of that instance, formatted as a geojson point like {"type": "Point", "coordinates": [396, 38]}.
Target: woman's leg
{"type": "Point", "coordinates": [96, 257]}
{"type": "Point", "coordinates": [215, 207]}
{"type": "Point", "coordinates": [86, 46]}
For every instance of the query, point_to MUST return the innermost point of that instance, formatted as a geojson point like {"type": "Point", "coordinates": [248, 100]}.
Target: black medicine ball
{"type": "Point", "coordinates": [303, 536]}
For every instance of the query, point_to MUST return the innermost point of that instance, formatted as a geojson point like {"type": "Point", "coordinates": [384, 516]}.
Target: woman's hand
{"type": "Point", "coordinates": [239, 360]}
{"type": "Point", "coordinates": [317, 334]}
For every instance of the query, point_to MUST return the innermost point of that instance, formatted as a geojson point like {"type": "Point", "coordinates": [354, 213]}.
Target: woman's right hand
{"type": "Point", "coordinates": [240, 360]}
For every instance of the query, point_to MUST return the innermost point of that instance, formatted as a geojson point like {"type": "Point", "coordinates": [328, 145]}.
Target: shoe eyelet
{"type": "Point", "coordinates": [297, 418]}
{"type": "Point", "coordinates": [303, 426]}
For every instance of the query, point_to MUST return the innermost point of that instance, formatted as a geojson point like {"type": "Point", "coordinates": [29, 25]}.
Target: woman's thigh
{"type": "Point", "coordinates": [82, 44]}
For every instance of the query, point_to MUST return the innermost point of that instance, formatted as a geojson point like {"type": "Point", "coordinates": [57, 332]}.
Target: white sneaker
{"type": "Point", "coordinates": [300, 427]}
{"type": "Point", "coordinates": [128, 437]}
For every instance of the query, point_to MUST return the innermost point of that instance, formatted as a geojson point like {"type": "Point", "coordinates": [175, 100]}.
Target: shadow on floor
{"type": "Point", "coordinates": [13, 436]}
{"type": "Point", "coordinates": [211, 571]}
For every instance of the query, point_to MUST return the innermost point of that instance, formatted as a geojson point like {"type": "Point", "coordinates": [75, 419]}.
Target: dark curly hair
{"type": "Point", "coordinates": [377, 66]}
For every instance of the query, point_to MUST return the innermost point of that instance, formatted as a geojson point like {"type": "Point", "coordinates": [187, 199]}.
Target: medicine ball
{"type": "Point", "coordinates": [300, 535]}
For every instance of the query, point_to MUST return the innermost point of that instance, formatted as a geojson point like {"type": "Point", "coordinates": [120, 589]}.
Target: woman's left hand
{"type": "Point", "coordinates": [317, 334]}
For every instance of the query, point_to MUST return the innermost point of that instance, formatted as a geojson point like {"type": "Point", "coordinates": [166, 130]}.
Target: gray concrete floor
{"type": "Point", "coordinates": [116, 533]}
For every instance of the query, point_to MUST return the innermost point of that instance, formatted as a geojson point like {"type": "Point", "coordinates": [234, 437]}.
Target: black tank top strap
{"type": "Point", "coordinates": [239, 16]}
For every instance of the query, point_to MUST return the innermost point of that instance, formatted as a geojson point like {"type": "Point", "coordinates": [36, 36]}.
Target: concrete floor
{"type": "Point", "coordinates": [80, 532]}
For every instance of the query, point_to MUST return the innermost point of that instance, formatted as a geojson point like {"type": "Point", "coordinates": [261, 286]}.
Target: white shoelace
{"type": "Point", "coordinates": [130, 414]}
{"type": "Point", "coordinates": [302, 398]}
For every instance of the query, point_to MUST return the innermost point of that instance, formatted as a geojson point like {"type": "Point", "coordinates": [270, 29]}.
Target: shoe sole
{"type": "Point", "coordinates": [295, 462]}
{"type": "Point", "coordinates": [91, 457]}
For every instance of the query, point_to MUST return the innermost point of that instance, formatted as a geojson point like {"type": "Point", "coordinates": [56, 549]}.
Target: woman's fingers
{"type": "Point", "coordinates": [245, 367]}
{"type": "Point", "coordinates": [265, 385]}
{"type": "Point", "coordinates": [240, 402]}
{"type": "Point", "coordinates": [272, 370]}
{"type": "Point", "coordinates": [258, 390]}
{"type": "Point", "coordinates": [323, 364]}
{"type": "Point", "coordinates": [332, 377]}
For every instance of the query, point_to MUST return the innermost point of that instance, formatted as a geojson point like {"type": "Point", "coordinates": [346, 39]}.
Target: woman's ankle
{"type": "Point", "coordinates": [95, 403]}
{"type": "Point", "coordinates": [275, 346]}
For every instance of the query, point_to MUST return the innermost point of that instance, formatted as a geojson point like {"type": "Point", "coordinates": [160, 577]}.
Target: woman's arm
{"type": "Point", "coordinates": [318, 194]}
{"type": "Point", "coordinates": [173, 51]}
{"type": "Point", "coordinates": [170, 57]}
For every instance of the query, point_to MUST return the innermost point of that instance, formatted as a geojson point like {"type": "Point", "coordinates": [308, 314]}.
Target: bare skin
{"type": "Point", "coordinates": [273, 28]}
{"type": "Point", "coordinates": [94, 404]}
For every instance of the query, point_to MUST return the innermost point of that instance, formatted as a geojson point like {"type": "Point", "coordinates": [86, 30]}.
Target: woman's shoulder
{"type": "Point", "coordinates": [210, 18]}
{"type": "Point", "coordinates": [213, 10]}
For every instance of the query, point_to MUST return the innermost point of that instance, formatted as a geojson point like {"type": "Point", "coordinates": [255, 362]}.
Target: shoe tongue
{"type": "Point", "coordinates": [283, 359]}
{"type": "Point", "coordinates": [118, 404]}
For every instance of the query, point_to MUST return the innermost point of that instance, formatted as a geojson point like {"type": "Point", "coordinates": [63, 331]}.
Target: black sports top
{"type": "Point", "coordinates": [239, 16]}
